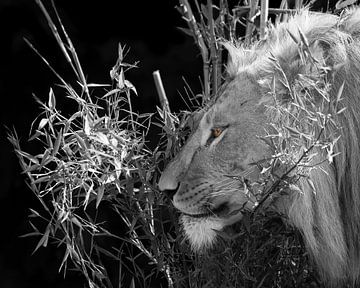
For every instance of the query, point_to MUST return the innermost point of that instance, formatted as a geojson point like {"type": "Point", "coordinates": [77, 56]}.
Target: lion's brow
{"type": "Point", "coordinates": [208, 117]}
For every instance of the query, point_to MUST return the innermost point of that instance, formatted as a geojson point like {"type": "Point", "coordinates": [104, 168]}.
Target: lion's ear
{"type": "Point", "coordinates": [299, 69]}
{"type": "Point", "coordinates": [238, 59]}
{"type": "Point", "coordinates": [315, 61]}
{"type": "Point", "coordinates": [331, 55]}
{"type": "Point", "coordinates": [232, 66]}
{"type": "Point", "coordinates": [292, 71]}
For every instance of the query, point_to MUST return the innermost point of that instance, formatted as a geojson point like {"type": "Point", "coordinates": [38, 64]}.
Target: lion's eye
{"type": "Point", "coordinates": [216, 132]}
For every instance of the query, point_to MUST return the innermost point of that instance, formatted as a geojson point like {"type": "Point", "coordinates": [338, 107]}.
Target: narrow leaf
{"type": "Point", "coordinates": [41, 179]}
{"type": "Point", "coordinates": [42, 123]}
{"type": "Point", "coordinates": [293, 36]}
{"type": "Point", "coordinates": [45, 158]}
{"type": "Point", "coordinates": [44, 239]}
{"type": "Point", "coordinates": [66, 255]}
{"type": "Point", "coordinates": [87, 196]}
{"type": "Point", "coordinates": [341, 111]}
{"type": "Point", "coordinates": [76, 222]}
{"type": "Point", "coordinates": [100, 194]}
{"type": "Point", "coordinates": [111, 92]}
{"type": "Point", "coordinates": [303, 38]}
{"type": "Point", "coordinates": [52, 100]}
{"type": "Point", "coordinates": [57, 143]}
{"type": "Point", "coordinates": [339, 94]}
{"type": "Point", "coordinates": [129, 85]}
{"type": "Point", "coordinates": [80, 141]}
{"type": "Point", "coordinates": [292, 130]}
{"type": "Point", "coordinates": [27, 156]}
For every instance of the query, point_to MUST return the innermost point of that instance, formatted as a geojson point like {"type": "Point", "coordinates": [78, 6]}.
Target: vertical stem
{"type": "Point", "coordinates": [213, 50]}
{"type": "Point", "coordinates": [282, 16]}
{"type": "Point", "coordinates": [250, 26]}
{"type": "Point", "coordinates": [190, 19]}
{"type": "Point", "coordinates": [163, 99]}
{"type": "Point", "coordinates": [161, 91]}
{"type": "Point", "coordinates": [224, 11]}
{"type": "Point", "coordinates": [263, 18]}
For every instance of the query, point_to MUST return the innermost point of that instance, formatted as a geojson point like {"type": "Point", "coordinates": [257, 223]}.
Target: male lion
{"type": "Point", "coordinates": [320, 53]}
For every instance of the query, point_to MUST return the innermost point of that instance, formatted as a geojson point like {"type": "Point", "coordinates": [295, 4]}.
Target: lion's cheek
{"type": "Point", "coordinates": [241, 201]}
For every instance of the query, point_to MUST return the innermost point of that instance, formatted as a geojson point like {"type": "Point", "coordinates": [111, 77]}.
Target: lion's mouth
{"type": "Point", "coordinates": [220, 211]}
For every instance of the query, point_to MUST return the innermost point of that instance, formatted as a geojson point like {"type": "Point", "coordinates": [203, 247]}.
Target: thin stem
{"type": "Point", "coordinates": [190, 19]}
{"type": "Point", "coordinates": [163, 99]}
{"type": "Point", "coordinates": [213, 50]}
{"type": "Point", "coordinates": [250, 26]}
{"type": "Point", "coordinates": [239, 11]}
{"type": "Point", "coordinates": [263, 18]}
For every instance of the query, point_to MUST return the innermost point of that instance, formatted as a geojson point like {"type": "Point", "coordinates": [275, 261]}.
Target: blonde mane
{"type": "Point", "coordinates": [329, 217]}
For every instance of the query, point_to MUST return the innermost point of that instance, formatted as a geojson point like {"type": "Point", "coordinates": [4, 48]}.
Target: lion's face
{"type": "Point", "coordinates": [209, 171]}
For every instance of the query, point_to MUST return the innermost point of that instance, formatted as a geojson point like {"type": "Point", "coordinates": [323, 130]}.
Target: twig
{"type": "Point", "coordinates": [75, 66]}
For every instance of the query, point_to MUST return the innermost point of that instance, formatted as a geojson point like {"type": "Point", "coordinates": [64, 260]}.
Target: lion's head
{"type": "Point", "coordinates": [206, 172]}
{"type": "Point", "coordinates": [210, 175]}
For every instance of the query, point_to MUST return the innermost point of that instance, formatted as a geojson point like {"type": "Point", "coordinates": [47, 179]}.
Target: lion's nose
{"type": "Point", "coordinates": [170, 193]}
{"type": "Point", "coordinates": [168, 183]}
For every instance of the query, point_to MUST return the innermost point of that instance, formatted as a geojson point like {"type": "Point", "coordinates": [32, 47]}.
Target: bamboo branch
{"type": "Point", "coordinates": [239, 11]}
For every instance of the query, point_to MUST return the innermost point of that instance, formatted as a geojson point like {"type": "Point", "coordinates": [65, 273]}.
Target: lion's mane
{"type": "Point", "coordinates": [328, 218]}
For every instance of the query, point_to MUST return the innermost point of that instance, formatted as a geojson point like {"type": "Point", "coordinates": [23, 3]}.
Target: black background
{"type": "Point", "coordinates": [148, 28]}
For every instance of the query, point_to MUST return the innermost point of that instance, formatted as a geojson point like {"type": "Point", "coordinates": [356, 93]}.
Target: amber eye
{"type": "Point", "coordinates": [216, 132]}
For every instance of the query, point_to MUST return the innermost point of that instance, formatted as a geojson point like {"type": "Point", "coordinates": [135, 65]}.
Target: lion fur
{"type": "Point", "coordinates": [329, 218]}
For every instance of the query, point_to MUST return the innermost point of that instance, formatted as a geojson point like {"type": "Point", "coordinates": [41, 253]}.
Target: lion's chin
{"type": "Point", "coordinates": [201, 232]}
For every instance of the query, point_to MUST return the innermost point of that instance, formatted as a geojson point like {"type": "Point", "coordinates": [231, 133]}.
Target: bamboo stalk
{"type": "Point", "coordinates": [250, 26]}
{"type": "Point", "coordinates": [190, 19]}
{"type": "Point", "coordinates": [282, 16]}
{"type": "Point", "coordinates": [264, 18]}
{"type": "Point", "coordinates": [213, 49]}
{"type": "Point", "coordinates": [163, 99]}
{"type": "Point", "coordinates": [223, 12]}
{"type": "Point", "coordinates": [298, 4]}
{"type": "Point", "coordinates": [161, 91]}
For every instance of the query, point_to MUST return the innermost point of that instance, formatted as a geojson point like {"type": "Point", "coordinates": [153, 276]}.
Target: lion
{"type": "Point", "coordinates": [228, 140]}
